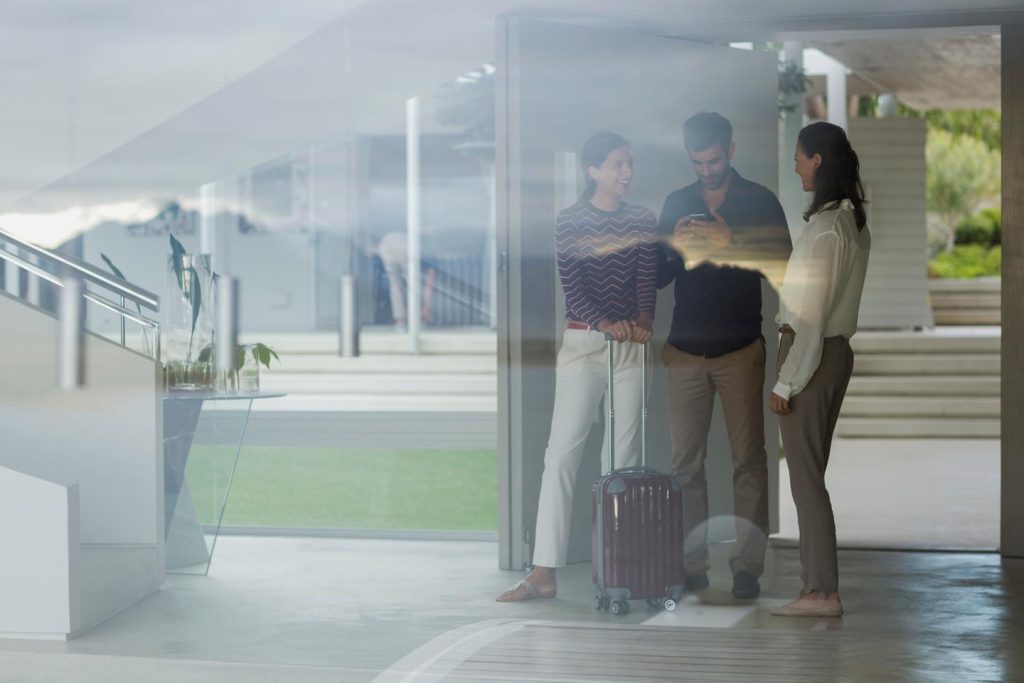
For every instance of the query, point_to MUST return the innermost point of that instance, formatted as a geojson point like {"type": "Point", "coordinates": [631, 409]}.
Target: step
{"type": "Point", "coordinates": [978, 340]}
{"type": "Point", "coordinates": [927, 385]}
{"type": "Point", "coordinates": [432, 426]}
{"type": "Point", "coordinates": [965, 300]}
{"type": "Point", "coordinates": [356, 403]}
{"type": "Point", "coordinates": [381, 364]}
{"type": "Point", "coordinates": [953, 316]}
{"type": "Point", "coordinates": [917, 428]}
{"type": "Point", "coordinates": [431, 342]}
{"type": "Point", "coordinates": [927, 364]}
{"type": "Point", "coordinates": [949, 406]}
{"type": "Point", "coordinates": [392, 385]}
{"type": "Point", "coordinates": [980, 284]}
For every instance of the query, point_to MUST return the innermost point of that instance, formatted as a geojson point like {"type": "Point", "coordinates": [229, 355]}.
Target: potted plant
{"type": "Point", "coordinates": [189, 347]}
{"type": "Point", "coordinates": [244, 377]}
{"type": "Point", "coordinates": [188, 319]}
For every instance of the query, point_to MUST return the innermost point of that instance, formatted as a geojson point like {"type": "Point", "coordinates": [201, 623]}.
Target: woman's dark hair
{"type": "Point", "coordinates": [838, 176]}
{"type": "Point", "coordinates": [595, 150]}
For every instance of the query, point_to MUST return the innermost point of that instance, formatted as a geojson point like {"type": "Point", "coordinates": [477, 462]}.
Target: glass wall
{"type": "Point", "coordinates": [287, 161]}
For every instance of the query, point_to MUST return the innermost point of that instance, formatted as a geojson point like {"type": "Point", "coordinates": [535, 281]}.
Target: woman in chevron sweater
{"type": "Point", "coordinates": [607, 263]}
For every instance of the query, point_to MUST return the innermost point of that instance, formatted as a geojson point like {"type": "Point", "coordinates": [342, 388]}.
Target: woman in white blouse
{"type": "Point", "coordinates": [820, 300]}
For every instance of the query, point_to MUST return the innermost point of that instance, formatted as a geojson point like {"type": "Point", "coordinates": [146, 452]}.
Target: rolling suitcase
{"type": "Point", "coordinates": [637, 524]}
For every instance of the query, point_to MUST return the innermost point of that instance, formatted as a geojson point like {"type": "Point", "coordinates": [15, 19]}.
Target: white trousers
{"type": "Point", "coordinates": [580, 384]}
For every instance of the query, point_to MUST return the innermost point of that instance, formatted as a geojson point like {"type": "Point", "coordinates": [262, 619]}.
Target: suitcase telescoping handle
{"type": "Point", "coordinates": [610, 401]}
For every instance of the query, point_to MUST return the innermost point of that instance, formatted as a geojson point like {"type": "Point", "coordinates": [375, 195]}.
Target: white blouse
{"type": "Point", "coordinates": [821, 292]}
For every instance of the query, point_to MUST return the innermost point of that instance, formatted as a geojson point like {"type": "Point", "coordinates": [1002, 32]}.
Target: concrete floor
{"type": "Point", "coordinates": [290, 609]}
{"type": "Point", "coordinates": [909, 494]}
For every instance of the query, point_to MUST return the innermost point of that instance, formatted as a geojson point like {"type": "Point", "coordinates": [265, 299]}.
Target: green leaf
{"type": "Point", "coordinates": [177, 252]}
{"type": "Point", "coordinates": [113, 269]}
{"type": "Point", "coordinates": [206, 355]}
{"type": "Point", "coordinates": [262, 353]}
{"type": "Point", "coordinates": [196, 296]}
{"type": "Point", "coordinates": [177, 248]}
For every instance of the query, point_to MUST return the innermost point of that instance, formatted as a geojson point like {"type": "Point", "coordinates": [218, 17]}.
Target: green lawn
{"type": "Point", "coordinates": [348, 488]}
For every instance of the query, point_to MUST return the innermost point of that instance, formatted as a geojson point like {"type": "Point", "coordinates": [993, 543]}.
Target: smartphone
{"type": "Point", "coordinates": [698, 217]}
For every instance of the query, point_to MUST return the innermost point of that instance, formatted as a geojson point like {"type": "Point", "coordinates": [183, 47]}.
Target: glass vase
{"type": "Point", "coordinates": [249, 373]}
{"type": "Point", "coordinates": [187, 342]}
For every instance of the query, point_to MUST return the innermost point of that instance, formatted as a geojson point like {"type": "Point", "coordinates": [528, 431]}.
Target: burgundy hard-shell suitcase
{"type": "Point", "coordinates": [637, 525]}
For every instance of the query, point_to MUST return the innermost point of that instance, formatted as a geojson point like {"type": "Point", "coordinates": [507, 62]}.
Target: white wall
{"type": "Point", "coordinates": [39, 531]}
{"type": "Point", "coordinates": [107, 437]}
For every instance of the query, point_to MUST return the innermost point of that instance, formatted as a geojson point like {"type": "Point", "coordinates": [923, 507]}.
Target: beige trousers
{"type": "Point", "coordinates": [807, 437]}
{"type": "Point", "coordinates": [693, 381]}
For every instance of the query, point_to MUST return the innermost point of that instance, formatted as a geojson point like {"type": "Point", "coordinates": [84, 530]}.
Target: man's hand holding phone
{"type": "Point", "coordinates": [716, 230]}
{"type": "Point", "coordinates": [699, 237]}
{"type": "Point", "coordinates": [686, 226]}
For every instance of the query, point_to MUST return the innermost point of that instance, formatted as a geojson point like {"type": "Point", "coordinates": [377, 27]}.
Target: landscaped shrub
{"type": "Point", "coordinates": [967, 261]}
{"type": "Point", "coordinates": [983, 228]}
{"type": "Point", "coordinates": [995, 216]}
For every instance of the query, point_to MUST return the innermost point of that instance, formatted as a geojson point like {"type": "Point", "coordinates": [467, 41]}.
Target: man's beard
{"type": "Point", "coordinates": [713, 183]}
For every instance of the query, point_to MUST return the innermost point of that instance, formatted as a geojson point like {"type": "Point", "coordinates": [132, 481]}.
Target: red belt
{"type": "Point", "coordinates": [575, 325]}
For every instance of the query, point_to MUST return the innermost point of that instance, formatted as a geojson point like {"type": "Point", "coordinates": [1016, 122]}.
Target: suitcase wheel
{"type": "Point", "coordinates": [670, 604]}
{"type": "Point", "coordinates": [654, 602]}
{"type": "Point", "coordinates": [620, 608]}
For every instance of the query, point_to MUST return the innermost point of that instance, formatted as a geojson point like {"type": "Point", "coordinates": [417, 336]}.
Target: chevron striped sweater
{"type": "Point", "coordinates": [607, 261]}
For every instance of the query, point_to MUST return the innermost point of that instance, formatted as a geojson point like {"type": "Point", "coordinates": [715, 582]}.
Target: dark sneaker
{"type": "Point", "coordinates": [745, 586]}
{"type": "Point", "coordinates": [696, 582]}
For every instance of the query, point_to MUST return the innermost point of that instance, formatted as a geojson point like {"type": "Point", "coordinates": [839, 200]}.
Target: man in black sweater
{"type": "Point", "coordinates": [719, 234]}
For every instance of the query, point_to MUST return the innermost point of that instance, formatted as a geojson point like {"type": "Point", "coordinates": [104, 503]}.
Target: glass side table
{"type": "Point", "coordinates": [196, 490]}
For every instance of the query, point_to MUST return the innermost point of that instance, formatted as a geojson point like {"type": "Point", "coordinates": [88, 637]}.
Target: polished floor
{"type": "Point", "coordinates": [290, 609]}
{"type": "Point", "coordinates": [909, 494]}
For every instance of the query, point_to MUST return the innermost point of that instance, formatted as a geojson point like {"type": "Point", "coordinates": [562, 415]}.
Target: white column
{"type": "Point", "coordinates": [817, 62]}
{"type": "Point", "coordinates": [836, 78]}
{"type": "Point", "coordinates": [791, 194]}
{"type": "Point", "coordinates": [492, 245]}
{"type": "Point", "coordinates": [208, 221]}
{"type": "Point", "coordinates": [412, 219]}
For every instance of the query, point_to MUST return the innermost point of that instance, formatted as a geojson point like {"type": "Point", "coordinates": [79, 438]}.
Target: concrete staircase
{"type": "Point", "coordinates": [445, 397]}
{"type": "Point", "coordinates": [454, 370]}
{"type": "Point", "coordinates": [966, 302]}
{"type": "Point", "coordinates": [941, 384]}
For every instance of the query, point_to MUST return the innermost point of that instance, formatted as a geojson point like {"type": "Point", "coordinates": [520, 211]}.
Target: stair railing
{"type": "Point", "coordinates": [114, 293]}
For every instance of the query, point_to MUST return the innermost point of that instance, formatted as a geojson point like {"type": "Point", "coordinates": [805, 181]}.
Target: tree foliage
{"type": "Point", "coordinates": [962, 171]}
{"type": "Point", "coordinates": [967, 261]}
{"type": "Point", "coordinates": [981, 124]}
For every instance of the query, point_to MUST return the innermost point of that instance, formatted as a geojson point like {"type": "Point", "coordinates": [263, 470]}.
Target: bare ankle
{"type": "Point", "coordinates": [543, 573]}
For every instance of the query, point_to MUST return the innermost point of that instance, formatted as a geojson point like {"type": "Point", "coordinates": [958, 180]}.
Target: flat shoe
{"type": "Point", "coordinates": [532, 593]}
{"type": "Point", "coordinates": [826, 610]}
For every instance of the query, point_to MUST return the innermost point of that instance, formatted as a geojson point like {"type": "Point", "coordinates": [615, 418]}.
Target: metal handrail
{"type": "Point", "coordinates": [89, 272]}
{"type": "Point", "coordinates": [57, 280]}
{"type": "Point", "coordinates": [121, 289]}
